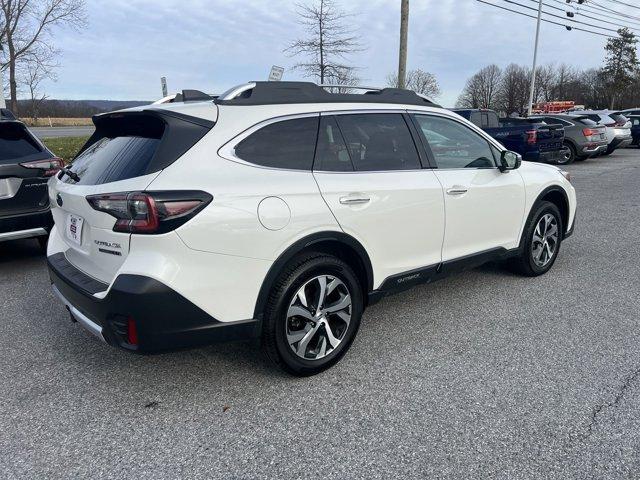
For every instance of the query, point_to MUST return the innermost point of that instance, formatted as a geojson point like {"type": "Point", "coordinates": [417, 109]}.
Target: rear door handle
{"type": "Point", "coordinates": [354, 200]}
{"type": "Point", "coordinates": [457, 190]}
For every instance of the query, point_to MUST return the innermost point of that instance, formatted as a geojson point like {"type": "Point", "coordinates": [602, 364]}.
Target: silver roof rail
{"type": "Point", "coordinates": [236, 91]}
{"type": "Point", "coordinates": [353, 87]}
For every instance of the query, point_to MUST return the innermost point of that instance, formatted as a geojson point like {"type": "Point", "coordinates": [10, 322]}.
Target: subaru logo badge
{"type": "Point", "coordinates": [59, 200]}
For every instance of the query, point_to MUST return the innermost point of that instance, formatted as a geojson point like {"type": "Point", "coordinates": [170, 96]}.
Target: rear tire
{"type": "Point", "coordinates": [569, 154]}
{"type": "Point", "coordinates": [541, 241]}
{"type": "Point", "coordinates": [312, 315]}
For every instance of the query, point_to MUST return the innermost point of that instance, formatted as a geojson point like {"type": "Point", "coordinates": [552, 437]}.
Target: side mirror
{"type": "Point", "coordinates": [509, 161]}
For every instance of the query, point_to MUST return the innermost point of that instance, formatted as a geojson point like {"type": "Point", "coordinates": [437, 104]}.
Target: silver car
{"type": "Point", "coordinates": [618, 127]}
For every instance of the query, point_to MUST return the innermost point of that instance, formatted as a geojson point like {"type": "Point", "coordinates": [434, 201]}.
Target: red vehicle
{"type": "Point", "coordinates": [553, 107]}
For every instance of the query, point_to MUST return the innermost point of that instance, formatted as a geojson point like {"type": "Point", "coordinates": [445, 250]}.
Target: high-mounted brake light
{"type": "Point", "coordinates": [532, 136]}
{"type": "Point", "coordinates": [150, 212]}
{"type": "Point", "coordinates": [51, 166]}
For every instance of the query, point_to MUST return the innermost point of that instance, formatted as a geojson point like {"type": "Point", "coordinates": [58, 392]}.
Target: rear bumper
{"type": "Point", "coordinates": [26, 226]}
{"type": "Point", "coordinates": [620, 142]}
{"type": "Point", "coordinates": [164, 319]}
{"type": "Point", "coordinates": [548, 157]}
{"type": "Point", "coordinates": [594, 148]}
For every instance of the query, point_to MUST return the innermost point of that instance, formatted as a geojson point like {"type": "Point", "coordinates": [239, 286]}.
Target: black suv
{"type": "Point", "coordinates": [25, 165]}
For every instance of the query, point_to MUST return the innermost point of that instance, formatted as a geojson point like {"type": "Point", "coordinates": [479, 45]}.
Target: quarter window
{"type": "Point", "coordinates": [287, 144]}
{"type": "Point", "coordinates": [453, 145]}
{"type": "Point", "coordinates": [379, 142]}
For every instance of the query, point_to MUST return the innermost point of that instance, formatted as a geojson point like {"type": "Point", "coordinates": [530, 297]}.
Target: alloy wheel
{"type": "Point", "coordinates": [545, 240]}
{"type": "Point", "coordinates": [318, 317]}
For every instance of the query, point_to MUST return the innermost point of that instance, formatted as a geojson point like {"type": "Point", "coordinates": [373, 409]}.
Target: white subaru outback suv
{"type": "Point", "coordinates": [279, 211]}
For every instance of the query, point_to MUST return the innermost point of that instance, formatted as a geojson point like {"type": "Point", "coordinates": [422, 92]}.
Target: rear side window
{"type": "Point", "coordinates": [16, 144]}
{"type": "Point", "coordinates": [331, 153]}
{"type": "Point", "coordinates": [379, 142]}
{"type": "Point", "coordinates": [287, 144]}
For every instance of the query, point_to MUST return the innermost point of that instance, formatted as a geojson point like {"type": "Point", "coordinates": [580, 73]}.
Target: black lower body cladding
{"type": "Point", "coordinates": [164, 319]}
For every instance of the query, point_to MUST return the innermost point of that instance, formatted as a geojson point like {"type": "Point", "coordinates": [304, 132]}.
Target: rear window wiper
{"type": "Point", "coordinates": [72, 175]}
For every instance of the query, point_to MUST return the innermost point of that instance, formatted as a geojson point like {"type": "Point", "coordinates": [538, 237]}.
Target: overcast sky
{"type": "Point", "coordinates": [212, 44]}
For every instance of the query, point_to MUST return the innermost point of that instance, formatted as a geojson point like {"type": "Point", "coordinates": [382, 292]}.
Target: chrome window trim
{"type": "Point", "coordinates": [228, 150]}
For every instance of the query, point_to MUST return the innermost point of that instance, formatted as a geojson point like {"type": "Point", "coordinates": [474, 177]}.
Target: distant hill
{"type": "Point", "coordinates": [75, 108]}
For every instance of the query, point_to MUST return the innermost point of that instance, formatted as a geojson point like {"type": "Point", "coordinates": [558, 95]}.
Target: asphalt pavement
{"type": "Point", "coordinates": [57, 132]}
{"type": "Point", "coordinates": [482, 375]}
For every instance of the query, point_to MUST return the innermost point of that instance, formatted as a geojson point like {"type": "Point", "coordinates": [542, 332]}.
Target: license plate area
{"type": "Point", "coordinates": [73, 229]}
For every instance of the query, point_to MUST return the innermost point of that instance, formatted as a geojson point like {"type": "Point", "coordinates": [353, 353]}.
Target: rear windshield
{"type": "Point", "coordinates": [121, 149]}
{"type": "Point", "coordinates": [618, 118]}
{"type": "Point", "coordinates": [16, 144]}
{"type": "Point", "coordinates": [586, 121]}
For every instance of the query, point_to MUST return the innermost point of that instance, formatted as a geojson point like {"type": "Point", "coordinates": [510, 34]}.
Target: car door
{"type": "Point", "coordinates": [484, 206]}
{"type": "Point", "coordinates": [370, 174]}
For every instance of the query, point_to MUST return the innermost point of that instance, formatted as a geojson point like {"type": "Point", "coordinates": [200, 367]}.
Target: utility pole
{"type": "Point", "coordinates": [404, 28]}
{"type": "Point", "coordinates": [535, 58]}
{"type": "Point", "coordinates": [3, 104]}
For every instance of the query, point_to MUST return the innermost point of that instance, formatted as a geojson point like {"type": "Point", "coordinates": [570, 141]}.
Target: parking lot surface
{"type": "Point", "coordinates": [482, 375]}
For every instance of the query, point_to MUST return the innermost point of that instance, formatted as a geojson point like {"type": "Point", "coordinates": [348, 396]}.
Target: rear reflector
{"type": "Point", "coordinates": [51, 166]}
{"type": "Point", "coordinates": [132, 332]}
{"type": "Point", "coordinates": [150, 212]}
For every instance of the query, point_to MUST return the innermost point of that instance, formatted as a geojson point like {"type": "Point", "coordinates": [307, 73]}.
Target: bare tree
{"type": "Point", "coordinates": [328, 44]}
{"type": "Point", "coordinates": [514, 89]}
{"type": "Point", "coordinates": [419, 81]}
{"type": "Point", "coordinates": [482, 89]}
{"type": "Point", "coordinates": [26, 28]}
{"type": "Point", "coordinates": [35, 70]}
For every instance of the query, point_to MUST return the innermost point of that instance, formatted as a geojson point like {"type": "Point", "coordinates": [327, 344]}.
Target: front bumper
{"type": "Point", "coordinates": [164, 319]}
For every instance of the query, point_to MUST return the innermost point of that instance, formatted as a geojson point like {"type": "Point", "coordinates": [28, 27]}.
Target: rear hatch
{"type": "Point", "coordinates": [549, 137]}
{"type": "Point", "coordinates": [592, 131]}
{"type": "Point", "coordinates": [24, 166]}
{"type": "Point", "coordinates": [126, 152]}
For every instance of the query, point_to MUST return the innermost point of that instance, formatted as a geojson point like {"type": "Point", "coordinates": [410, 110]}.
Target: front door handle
{"type": "Point", "coordinates": [354, 200]}
{"type": "Point", "coordinates": [457, 190]}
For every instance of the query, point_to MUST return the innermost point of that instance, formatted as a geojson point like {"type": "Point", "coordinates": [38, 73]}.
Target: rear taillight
{"type": "Point", "coordinates": [587, 132]}
{"type": "Point", "coordinates": [51, 166]}
{"type": "Point", "coordinates": [150, 212]}
{"type": "Point", "coordinates": [532, 136]}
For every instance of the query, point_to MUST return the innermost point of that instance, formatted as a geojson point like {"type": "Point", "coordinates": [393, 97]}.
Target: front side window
{"type": "Point", "coordinates": [379, 142]}
{"type": "Point", "coordinates": [287, 144]}
{"type": "Point", "coordinates": [453, 145]}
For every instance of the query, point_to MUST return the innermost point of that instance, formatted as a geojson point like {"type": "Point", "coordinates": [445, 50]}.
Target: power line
{"type": "Point", "coordinates": [587, 16]}
{"type": "Point", "coordinates": [545, 20]}
{"type": "Point", "coordinates": [580, 8]}
{"type": "Point", "coordinates": [623, 3]}
{"type": "Point", "coordinates": [609, 10]}
{"type": "Point", "coordinates": [563, 18]}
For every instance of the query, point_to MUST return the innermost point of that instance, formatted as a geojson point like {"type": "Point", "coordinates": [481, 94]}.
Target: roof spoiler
{"type": "Point", "coordinates": [193, 96]}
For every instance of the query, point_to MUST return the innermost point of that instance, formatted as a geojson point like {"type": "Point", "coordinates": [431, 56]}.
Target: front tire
{"type": "Point", "coordinates": [312, 315]}
{"type": "Point", "coordinates": [541, 241]}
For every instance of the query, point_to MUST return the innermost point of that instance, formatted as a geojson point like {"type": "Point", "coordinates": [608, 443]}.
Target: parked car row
{"type": "Point", "coordinates": [559, 138]}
